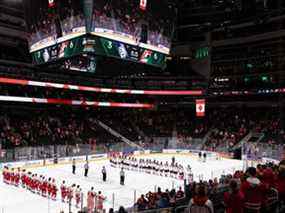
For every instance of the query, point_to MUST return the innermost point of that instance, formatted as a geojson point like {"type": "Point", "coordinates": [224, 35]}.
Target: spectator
{"type": "Point", "coordinates": [254, 192]}
{"type": "Point", "coordinates": [201, 199]}
{"type": "Point", "coordinates": [233, 199]}
{"type": "Point", "coordinates": [122, 210]}
{"type": "Point", "coordinates": [141, 203]}
{"type": "Point", "coordinates": [280, 182]}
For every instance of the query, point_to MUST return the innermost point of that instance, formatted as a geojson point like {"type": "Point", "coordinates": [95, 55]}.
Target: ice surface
{"type": "Point", "coordinates": [14, 200]}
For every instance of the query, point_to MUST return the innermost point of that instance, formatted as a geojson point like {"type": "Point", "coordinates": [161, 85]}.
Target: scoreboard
{"type": "Point", "coordinates": [98, 46]}
{"type": "Point", "coordinates": [138, 31]}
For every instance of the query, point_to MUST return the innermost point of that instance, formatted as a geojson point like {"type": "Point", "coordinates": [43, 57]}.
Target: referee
{"type": "Point", "coordinates": [86, 168]}
{"type": "Point", "coordinates": [73, 166]}
{"type": "Point", "coordinates": [122, 177]}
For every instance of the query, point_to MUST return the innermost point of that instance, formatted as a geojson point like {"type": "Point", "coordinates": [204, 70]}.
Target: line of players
{"type": "Point", "coordinates": [46, 187]}
{"type": "Point", "coordinates": [173, 170]}
{"type": "Point", "coordinates": [41, 185]}
{"type": "Point", "coordinates": [35, 183]}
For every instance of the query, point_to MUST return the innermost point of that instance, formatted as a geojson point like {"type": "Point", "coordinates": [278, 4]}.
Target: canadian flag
{"type": "Point", "coordinates": [143, 4]}
{"type": "Point", "coordinates": [51, 3]}
{"type": "Point", "coordinates": [200, 107]}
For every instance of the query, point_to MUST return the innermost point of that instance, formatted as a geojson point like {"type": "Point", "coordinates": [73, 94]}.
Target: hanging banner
{"type": "Point", "coordinates": [200, 107]}
{"type": "Point", "coordinates": [143, 4]}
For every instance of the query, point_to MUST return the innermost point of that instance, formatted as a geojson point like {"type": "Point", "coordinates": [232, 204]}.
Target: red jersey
{"type": "Point", "coordinates": [234, 202]}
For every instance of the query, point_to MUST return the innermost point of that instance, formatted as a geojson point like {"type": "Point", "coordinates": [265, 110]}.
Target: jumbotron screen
{"type": "Point", "coordinates": [136, 30]}
{"type": "Point", "coordinates": [137, 22]}
{"type": "Point", "coordinates": [53, 21]}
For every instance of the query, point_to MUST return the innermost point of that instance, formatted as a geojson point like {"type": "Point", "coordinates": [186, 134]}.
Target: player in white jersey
{"type": "Point", "coordinates": [181, 172]}
{"type": "Point", "coordinates": [166, 169]}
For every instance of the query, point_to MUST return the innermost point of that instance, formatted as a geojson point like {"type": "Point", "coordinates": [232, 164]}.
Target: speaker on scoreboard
{"type": "Point", "coordinates": [144, 33]}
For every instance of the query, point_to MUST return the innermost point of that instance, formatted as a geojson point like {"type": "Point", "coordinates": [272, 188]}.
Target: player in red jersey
{"type": "Point", "coordinates": [77, 196]}
{"type": "Point", "coordinates": [53, 189]}
{"type": "Point", "coordinates": [44, 187]}
{"type": "Point", "coordinates": [12, 177]}
{"type": "Point", "coordinates": [91, 200]}
{"type": "Point", "coordinates": [33, 183]}
{"type": "Point", "coordinates": [63, 190]}
{"type": "Point", "coordinates": [6, 175]}
{"type": "Point", "coordinates": [17, 177]}
{"type": "Point", "coordinates": [99, 201]}
{"type": "Point", "coordinates": [37, 183]}
{"type": "Point", "coordinates": [49, 187]}
{"type": "Point", "coordinates": [70, 192]}
{"type": "Point", "coordinates": [23, 178]}
{"type": "Point", "coordinates": [28, 180]}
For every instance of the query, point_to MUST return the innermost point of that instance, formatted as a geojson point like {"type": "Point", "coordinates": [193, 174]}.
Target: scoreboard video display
{"type": "Point", "coordinates": [98, 46]}
{"type": "Point", "coordinates": [124, 29]}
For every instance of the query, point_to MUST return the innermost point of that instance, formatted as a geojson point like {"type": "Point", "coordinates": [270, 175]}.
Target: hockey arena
{"type": "Point", "coordinates": [142, 106]}
{"type": "Point", "coordinates": [137, 181]}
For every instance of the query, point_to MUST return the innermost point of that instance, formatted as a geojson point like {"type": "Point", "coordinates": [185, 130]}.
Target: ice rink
{"type": "Point", "coordinates": [13, 199]}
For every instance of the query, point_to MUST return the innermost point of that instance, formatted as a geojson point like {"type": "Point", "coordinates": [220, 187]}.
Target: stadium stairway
{"type": "Point", "coordinates": [205, 139]}
{"type": "Point", "coordinates": [118, 135]}
{"type": "Point", "coordinates": [139, 131]}
{"type": "Point", "coordinates": [251, 137]}
{"type": "Point", "coordinates": [242, 141]}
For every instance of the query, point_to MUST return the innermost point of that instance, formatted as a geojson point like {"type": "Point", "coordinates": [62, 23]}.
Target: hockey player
{"type": "Point", "coordinates": [32, 183]}
{"type": "Point", "coordinates": [63, 190]}
{"type": "Point", "coordinates": [5, 174]}
{"type": "Point", "coordinates": [99, 202]}
{"type": "Point", "coordinates": [44, 187]}
{"type": "Point", "coordinates": [77, 196]}
{"type": "Point", "coordinates": [53, 190]}
{"type": "Point", "coordinates": [12, 177]}
{"type": "Point", "coordinates": [70, 192]}
{"type": "Point", "coordinates": [189, 174]}
{"type": "Point", "coordinates": [181, 172]}
{"type": "Point", "coordinates": [28, 180]}
{"type": "Point", "coordinates": [91, 200]}
{"type": "Point", "coordinates": [23, 178]}
{"type": "Point", "coordinates": [36, 183]}
{"type": "Point", "coordinates": [160, 168]}
{"type": "Point", "coordinates": [136, 165]}
{"type": "Point", "coordinates": [49, 187]}
{"type": "Point", "coordinates": [17, 177]}
{"type": "Point", "coordinates": [166, 169]}
{"type": "Point", "coordinates": [175, 171]}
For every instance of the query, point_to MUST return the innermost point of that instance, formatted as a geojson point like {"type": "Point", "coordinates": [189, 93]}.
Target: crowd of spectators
{"type": "Point", "coordinates": [230, 127]}
{"type": "Point", "coordinates": [225, 128]}
{"type": "Point", "coordinates": [257, 190]}
{"type": "Point", "coordinates": [37, 128]}
{"type": "Point", "coordinates": [160, 199]}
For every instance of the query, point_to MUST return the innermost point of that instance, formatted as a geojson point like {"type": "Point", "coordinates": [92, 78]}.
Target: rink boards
{"type": "Point", "coordinates": [97, 157]}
